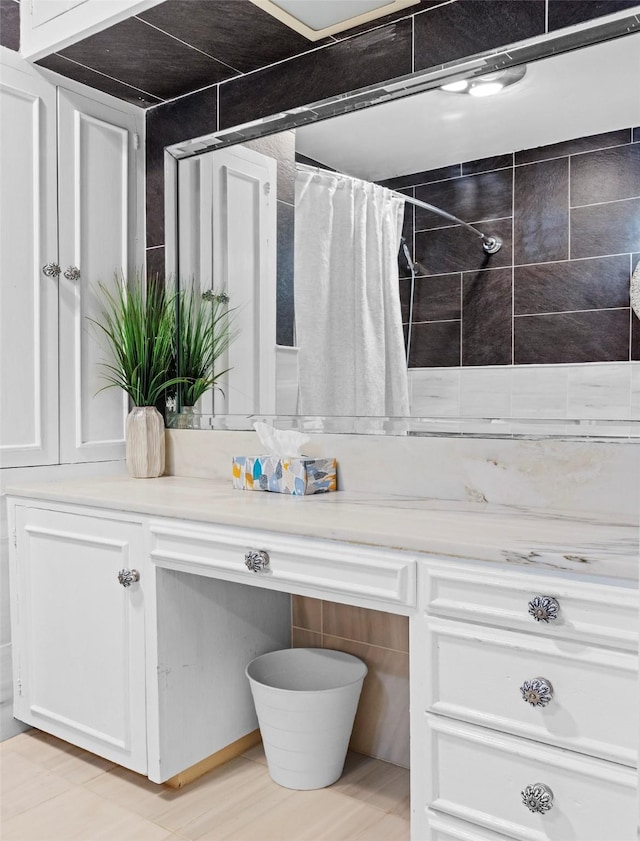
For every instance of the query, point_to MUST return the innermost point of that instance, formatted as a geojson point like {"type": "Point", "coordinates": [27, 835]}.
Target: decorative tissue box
{"type": "Point", "coordinates": [296, 475]}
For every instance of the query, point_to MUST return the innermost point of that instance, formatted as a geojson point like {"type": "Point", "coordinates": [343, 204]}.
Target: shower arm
{"type": "Point", "coordinates": [490, 244]}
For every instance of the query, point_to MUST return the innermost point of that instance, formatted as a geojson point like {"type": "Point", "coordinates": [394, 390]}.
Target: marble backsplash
{"type": "Point", "coordinates": [548, 474]}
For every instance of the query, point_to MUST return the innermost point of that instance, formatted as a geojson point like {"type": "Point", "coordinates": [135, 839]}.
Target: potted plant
{"type": "Point", "coordinates": [205, 329]}
{"type": "Point", "coordinates": [138, 321]}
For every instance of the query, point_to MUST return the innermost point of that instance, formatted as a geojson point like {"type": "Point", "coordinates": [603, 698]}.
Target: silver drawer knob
{"type": "Point", "coordinates": [537, 692]}
{"type": "Point", "coordinates": [256, 560]}
{"type": "Point", "coordinates": [72, 273]}
{"type": "Point", "coordinates": [544, 608]}
{"type": "Point", "coordinates": [51, 270]}
{"type": "Point", "coordinates": [127, 577]}
{"type": "Point", "coordinates": [537, 798]}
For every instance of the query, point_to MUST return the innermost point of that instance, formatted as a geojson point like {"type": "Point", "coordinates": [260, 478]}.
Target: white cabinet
{"type": "Point", "coordinates": [68, 201]}
{"type": "Point", "coordinates": [78, 634]}
{"type": "Point", "coordinates": [527, 679]}
{"type": "Point", "coordinates": [50, 25]}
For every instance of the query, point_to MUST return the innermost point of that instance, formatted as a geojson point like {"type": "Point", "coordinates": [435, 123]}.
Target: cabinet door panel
{"type": "Point", "coordinates": [96, 199]}
{"type": "Point", "coordinates": [28, 299]}
{"type": "Point", "coordinates": [80, 634]}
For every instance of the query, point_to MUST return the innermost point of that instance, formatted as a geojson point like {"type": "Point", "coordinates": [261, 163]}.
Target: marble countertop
{"type": "Point", "coordinates": [591, 545]}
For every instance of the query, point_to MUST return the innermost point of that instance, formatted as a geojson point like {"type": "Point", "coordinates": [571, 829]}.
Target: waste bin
{"type": "Point", "coordinates": [306, 701]}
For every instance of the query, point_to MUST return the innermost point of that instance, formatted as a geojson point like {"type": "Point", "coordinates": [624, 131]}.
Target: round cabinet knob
{"type": "Point", "coordinates": [256, 560]}
{"type": "Point", "coordinates": [537, 692]}
{"type": "Point", "coordinates": [544, 608]}
{"type": "Point", "coordinates": [537, 798]}
{"type": "Point", "coordinates": [127, 577]}
{"type": "Point", "coordinates": [51, 270]}
{"type": "Point", "coordinates": [72, 273]}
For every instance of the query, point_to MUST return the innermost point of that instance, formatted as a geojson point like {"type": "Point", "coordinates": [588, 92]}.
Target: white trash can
{"type": "Point", "coordinates": [306, 701]}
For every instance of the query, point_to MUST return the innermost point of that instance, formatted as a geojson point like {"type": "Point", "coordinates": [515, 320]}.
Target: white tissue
{"type": "Point", "coordinates": [285, 443]}
{"type": "Point", "coordinates": [635, 290]}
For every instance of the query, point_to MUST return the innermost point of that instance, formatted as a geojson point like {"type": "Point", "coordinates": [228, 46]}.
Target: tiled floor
{"type": "Point", "coordinates": [52, 791]}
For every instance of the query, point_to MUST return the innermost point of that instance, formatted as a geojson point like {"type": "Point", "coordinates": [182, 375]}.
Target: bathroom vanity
{"type": "Point", "coordinates": [137, 604]}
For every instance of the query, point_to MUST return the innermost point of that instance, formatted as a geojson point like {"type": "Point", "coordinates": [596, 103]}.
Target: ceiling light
{"type": "Point", "coordinates": [487, 85]}
{"type": "Point", "coordinates": [316, 19]}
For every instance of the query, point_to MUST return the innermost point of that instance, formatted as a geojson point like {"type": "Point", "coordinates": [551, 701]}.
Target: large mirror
{"type": "Point", "coordinates": [358, 308]}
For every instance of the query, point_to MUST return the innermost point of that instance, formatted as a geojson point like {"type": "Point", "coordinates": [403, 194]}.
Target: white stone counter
{"type": "Point", "coordinates": [591, 544]}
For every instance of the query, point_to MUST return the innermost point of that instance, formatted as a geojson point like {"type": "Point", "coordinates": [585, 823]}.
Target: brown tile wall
{"type": "Point", "coordinates": [558, 291]}
{"type": "Point", "coordinates": [381, 727]}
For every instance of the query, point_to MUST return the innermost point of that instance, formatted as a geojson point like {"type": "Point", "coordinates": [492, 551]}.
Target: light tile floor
{"type": "Point", "coordinates": [53, 791]}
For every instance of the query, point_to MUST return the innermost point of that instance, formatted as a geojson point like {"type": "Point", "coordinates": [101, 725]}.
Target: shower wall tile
{"type": "Point", "coordinates": [487, 164]}
{"type": "Point", "coordinates": [87, 76]}
{"type": "Point", "coordinates": [612, 228]}
{"type": "Point", "coordinates": [244, 36]}
{"type": "Point", "coordinates": [636, 134]}
{"type": "Point", "coordinates": [599, 391]}
{"type": "Point", "coordinates": [486, 317]}
{"type": "Point", "coordinates": [472, 198]}
{"type": "Point", "coordinates": [574, 147]}
{"type": "Point", "coordinates": [635, 337]}
{"type": "Point", "coordinates": [372, 57]}
{"type": "Point", "coordinates": [539, 391]}
{"type": "Point", "coordinates": [117, 51]}
{"type": "Point", "coordinates": [458, 29]}
{"type": "Point", "coordinates": [540, 221]}
{"type": "Point", "coordinates": [155, 263]}
{"type": "Point", "coordinates": [176, 121]}
{"type": "Point", "coordinates": [435, 344]}
{"type": "Point", "coordinates": [592, 336]}
{"type": "Point", "coordinates": [485, 392]}
{"type": "Point", "coordinates": [284, 273]}
{"type": "Point", "coordinates": [569, 12]}
{"type": "Point", "coordinates": [306, 613]}
{"type": "Point", "coordinates": [435, 392]}
{"type": "Point", "coordinates": [597, 283]}
{"type": "Point", "coordinates": [423, 177]}
{"type": "Point", "coordinates": [437, 298]}
{"type": "Point", "coordinates": [10, 24]}
{"type": "Point", "coordinates": [447, 250]}
{"type": "Point", "coordinates": [608, 175]}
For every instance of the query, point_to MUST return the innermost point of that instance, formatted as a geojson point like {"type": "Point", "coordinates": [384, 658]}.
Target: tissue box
{"type": "Point", "coordinates": [298, 476]}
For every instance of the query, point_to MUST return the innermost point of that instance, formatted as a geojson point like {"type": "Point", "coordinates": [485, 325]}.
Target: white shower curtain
{"type": "Point", "coordinates": [351, 353]}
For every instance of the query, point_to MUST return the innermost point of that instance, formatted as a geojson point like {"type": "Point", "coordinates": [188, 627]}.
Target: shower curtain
{"type": "Point", "coordinates": [351, 355]}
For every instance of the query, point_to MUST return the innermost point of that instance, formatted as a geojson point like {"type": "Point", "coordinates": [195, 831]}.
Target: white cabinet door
{"type": "Point", "coordinates": [96, 232]}
{"type": "Point", "coordinates": [78, 635]}
{"type": "Point", "coordinates": [28, 299]}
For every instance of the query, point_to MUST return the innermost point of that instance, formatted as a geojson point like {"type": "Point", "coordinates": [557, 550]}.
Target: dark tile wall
{"type": "Point", "coordinates": [240, 36]}
{"type": "Point", "coordinates": [558, 291]}
{"type": "Point", "coordinates": [10, 24]}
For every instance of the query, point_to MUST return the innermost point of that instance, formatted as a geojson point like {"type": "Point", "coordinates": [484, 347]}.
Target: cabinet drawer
{"type": "Point", "coordinates": [321, 568]}
{"type": "Point", "coordinates": [594, 701]}
{"type": "Point", "coordinates": [480, 775]}
{"type": "Point", "coordinates": [590, 612]}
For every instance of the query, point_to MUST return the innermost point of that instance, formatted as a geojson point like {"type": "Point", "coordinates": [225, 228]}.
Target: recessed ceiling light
{"type": "Point", "coordinates": [316, 19]}
{"type": "Point", "coordinates": [487, 85]}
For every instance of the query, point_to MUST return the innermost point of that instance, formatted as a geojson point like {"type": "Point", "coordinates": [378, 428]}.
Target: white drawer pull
{"type": "Point", "coordinates": [537, 692]}
{"type": "Point", "coordinates": [544, 608]}
{"type": "Point", "coordinates": [256, 560]}
{"type": "Point", "coordinates": [537, 797]}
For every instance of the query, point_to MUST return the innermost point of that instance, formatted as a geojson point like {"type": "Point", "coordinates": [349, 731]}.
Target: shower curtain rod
{"type": "Point", "coordinates": [490, 244]}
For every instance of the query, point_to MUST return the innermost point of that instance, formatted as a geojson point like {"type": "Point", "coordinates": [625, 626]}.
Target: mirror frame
{"type": "Point", "coordinates": [582, 35]}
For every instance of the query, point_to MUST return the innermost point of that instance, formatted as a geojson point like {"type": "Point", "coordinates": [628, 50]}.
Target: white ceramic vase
{"type": "Point", "coordinates": [145, 442]}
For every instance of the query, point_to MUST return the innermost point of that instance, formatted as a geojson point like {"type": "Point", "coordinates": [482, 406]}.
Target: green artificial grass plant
{"type": "Point", "coordinates": [205, 331]}
{"type": "Point", "coordinates": [138, 321]}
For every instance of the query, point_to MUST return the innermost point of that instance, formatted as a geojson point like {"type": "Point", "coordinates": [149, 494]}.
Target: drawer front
{"type": "Point", "coordinates": [589, 612]}
{"type": "Point", "coordinates": [320, 568]}
{"type": "Point", "coordinates": [479, 776]}
{"type": "Point", "coordinates": [476, 674]}
{"type": "Point", "coordinates": [441, 828]}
